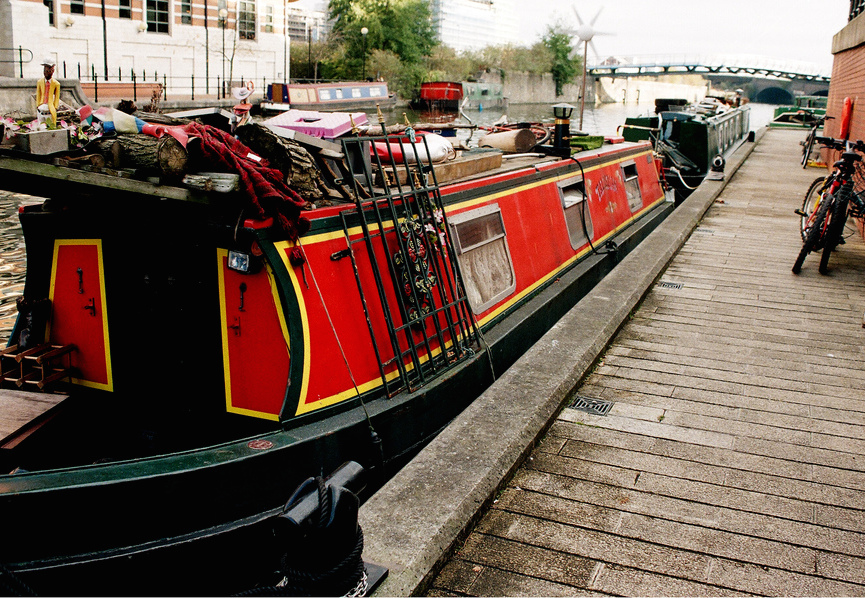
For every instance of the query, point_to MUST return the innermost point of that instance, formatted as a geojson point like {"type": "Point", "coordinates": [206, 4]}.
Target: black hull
{"type": "Point", "coordinates": [57, 540]}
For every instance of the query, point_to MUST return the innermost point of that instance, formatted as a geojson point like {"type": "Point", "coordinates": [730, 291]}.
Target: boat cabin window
{"type": "Point", "coordinates": [632, 185]}
{"type": "Point", "coordinates": [324, 94]}
{"type": "Point", "coordinates": [355, 92]}
{"type": "Point", "coordinates": [578, 219]}
{"type": "Point", "coordinates": [481, 244]}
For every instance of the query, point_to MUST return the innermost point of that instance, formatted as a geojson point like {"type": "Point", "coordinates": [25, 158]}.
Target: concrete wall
{"type": "Point", "coordinates": [633, 90]}
{"type": "Point", "coordinates": [526, 88]}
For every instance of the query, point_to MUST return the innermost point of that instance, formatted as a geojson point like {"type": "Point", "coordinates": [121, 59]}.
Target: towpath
{"type": "Point", "coordinates": [732, 460]}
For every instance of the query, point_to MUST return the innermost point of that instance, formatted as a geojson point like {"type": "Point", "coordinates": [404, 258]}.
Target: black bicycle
{"type": "Point", "coordinates": [824, 226]}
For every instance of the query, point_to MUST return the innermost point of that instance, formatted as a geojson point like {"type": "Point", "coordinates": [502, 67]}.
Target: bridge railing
{"type": "Point", "coordinates": [857, 7]}
{"type": "Point", "coordinates": [713, 61]}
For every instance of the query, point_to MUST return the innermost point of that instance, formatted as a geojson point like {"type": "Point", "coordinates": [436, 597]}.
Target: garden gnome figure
{"type": "Point", "coordinates": [48, 94]}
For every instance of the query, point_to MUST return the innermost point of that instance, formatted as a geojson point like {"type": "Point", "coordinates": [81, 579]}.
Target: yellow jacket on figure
{"type": "Point", "coordinates": [48, 91]}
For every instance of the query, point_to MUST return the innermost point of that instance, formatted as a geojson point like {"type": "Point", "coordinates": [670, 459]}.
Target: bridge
{"type": "Point", "coordinates": [710, 65]}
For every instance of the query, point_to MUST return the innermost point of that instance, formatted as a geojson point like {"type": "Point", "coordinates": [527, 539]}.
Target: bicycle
{"type": "Point", "coordinates": [812, 137]}
{"type": "Point", "coordinates": [818, 186]}
{"type": "Point", "coordinates": [824, 226]}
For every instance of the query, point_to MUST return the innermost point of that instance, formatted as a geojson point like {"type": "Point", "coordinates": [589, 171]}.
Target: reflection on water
{"type": "Point", "coordinates": [12, 258]}
{"type": "Point", "coordinates": [600, 120]}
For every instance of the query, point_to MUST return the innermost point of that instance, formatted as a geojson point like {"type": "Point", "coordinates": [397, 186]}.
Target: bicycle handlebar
{"type": "Point", "coordinates": [841, 144]}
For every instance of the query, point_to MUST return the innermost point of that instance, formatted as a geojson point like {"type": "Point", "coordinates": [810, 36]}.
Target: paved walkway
{"type": "Point", "coordinates": [733, 459]}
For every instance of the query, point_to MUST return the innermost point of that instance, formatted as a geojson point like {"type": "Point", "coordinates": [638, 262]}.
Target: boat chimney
{"type": "Point", "coordinates": [562, 131]}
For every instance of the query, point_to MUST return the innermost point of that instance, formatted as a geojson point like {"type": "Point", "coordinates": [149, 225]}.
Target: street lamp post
{"type": "Point", "coordinates": [363, 33]}
{"type": "Point", "coordinates": [223, 14]}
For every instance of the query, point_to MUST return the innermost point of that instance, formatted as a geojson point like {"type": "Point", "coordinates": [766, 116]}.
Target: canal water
{"type": "Point", "coordinates": [600, 120]}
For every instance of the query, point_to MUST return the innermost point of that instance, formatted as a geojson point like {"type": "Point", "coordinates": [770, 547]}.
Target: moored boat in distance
{"type": "Point", "coordinates": [329, 96]}
{"type": "Point", "coordinates": [691, 137]}
{"type": "Point", "coordinates": [805, 111]}
{"type": "Point", "coordinates": [438, 96]}
{"type": "Point", "coordinates": [221, 347]}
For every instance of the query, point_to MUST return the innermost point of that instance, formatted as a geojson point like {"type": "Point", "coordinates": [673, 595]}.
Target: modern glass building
{"type": "Point", "coordinates": [475, 24]}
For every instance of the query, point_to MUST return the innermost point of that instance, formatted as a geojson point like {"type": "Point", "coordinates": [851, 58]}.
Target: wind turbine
{"type": "Point", "coordinates": [586, 31]}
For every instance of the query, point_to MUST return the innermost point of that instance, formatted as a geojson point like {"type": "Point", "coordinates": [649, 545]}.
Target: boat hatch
{"type": "Point", "coordinates": [430, 326]}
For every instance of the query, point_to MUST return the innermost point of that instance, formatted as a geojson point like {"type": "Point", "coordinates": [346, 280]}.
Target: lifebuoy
{"type": "Point", "coordinates": [250, 85]}
{"type": "Point", "coordinates": [846, 115]}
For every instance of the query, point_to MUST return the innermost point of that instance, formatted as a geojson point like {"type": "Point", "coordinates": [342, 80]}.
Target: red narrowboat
{"type": "Point", "coordinates": [216, 359]}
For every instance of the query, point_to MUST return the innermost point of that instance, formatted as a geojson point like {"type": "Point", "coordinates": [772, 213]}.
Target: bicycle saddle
{"type": "Point", "coordinates": [851, 156]}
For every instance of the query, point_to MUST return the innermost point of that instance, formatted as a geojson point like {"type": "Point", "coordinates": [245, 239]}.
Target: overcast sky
{"type": "Point", "coordinates": [796, 30]}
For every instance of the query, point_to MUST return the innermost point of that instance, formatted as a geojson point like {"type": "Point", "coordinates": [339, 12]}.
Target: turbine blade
{"type": "Point", "coordinates": [594, 50]}
{"type": "Point", "coordinates": [604, 33]}
{"type": "Point", "coordinates": [596, 16]}
{"type": "Point", "coordinates": [579, 20]}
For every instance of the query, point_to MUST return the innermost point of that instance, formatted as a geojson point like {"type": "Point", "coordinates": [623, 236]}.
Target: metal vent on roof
{"type": "Point", "coordinates": [670, 285]}
{"type": "Point", "coordinates": [590, 405]}
{"type": "Point", "coordinates": [707, 231]}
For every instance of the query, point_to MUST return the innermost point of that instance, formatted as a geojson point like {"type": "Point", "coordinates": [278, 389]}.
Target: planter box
{"type": "Point", "coordinates": [43, 142]}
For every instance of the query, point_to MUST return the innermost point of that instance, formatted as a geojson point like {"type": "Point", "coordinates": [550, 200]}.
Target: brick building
{"type": "Point", "coordinates": [171, 38]}
{"type": "Point", "coordinates": [848, 74]}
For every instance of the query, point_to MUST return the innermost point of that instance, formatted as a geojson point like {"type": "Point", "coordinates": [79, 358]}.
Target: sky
{"type": "Point", "coordinates": [794, 30]}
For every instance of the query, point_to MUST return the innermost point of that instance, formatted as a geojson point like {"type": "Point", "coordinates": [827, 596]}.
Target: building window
{"type": "Point", "coordinates": [125, 9]}
{"type": "Point", "coordinates": [186, 12]}
{"type": "Point", "coordinates": [50, 5]}
{"type": "Point", "coordinates": [632, 185]}
{"type": "Point", "coordinates": [485, 260]}
{"type": "Point", "coordinates": [246, 19]}
{"type": "Point", "coordinates": [157, 16]}
{"type": "Point", "coordinates": [76, 7]}
{"type": "Point", "coordinates": [578, 219]}
{"type": "Point", "coordinates": [268, 19]}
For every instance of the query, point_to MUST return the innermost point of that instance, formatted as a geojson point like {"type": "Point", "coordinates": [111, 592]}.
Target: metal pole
{"type": "Point", "coordinates": [285, 40]}
{"type": "Point", "coordinates": [206, 50]}
{"type": "Point", "coordinates": [104, 41]}
{"type": "Point", "coordinates": [583, 91]}
{"type": "Point", "coordinates": [20, 62]}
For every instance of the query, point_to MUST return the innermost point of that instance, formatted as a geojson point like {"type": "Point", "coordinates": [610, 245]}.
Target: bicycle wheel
{"type": "Point", "coordinates": [811, 201]}
{"type": "Point", "coordinates": [807, 145]}
{"type": "Point", "coordinates": [834, 230]}
{"type": "Point", "coordinates": [815, 232]}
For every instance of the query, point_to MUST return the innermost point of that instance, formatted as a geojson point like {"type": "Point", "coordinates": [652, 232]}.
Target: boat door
{"type": "Point", "coordinates": [79, 310]}
{"type": "Point", "coordinates": [255, 342]}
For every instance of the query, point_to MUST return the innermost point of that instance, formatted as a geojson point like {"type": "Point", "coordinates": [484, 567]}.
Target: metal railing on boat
{"type": "Point", "coordinates": [430, 325]}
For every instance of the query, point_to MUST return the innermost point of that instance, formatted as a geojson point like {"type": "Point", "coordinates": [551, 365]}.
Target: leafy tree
{"type": "Point", "coordinates": [564, 69]}
{"type": "Point", "coordinates": [403, 27]}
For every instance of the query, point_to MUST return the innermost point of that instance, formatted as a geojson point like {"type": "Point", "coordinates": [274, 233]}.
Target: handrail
{"type": "Point", "coordinates": [20, 59]}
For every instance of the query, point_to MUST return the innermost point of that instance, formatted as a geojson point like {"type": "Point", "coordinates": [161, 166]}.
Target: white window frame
{"type": "Point", "coordinates": [628, 178]}
{"type": "Point", "coordinates": [577, 201]}
{"type": "Point", "coordinates": [457, 219]}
